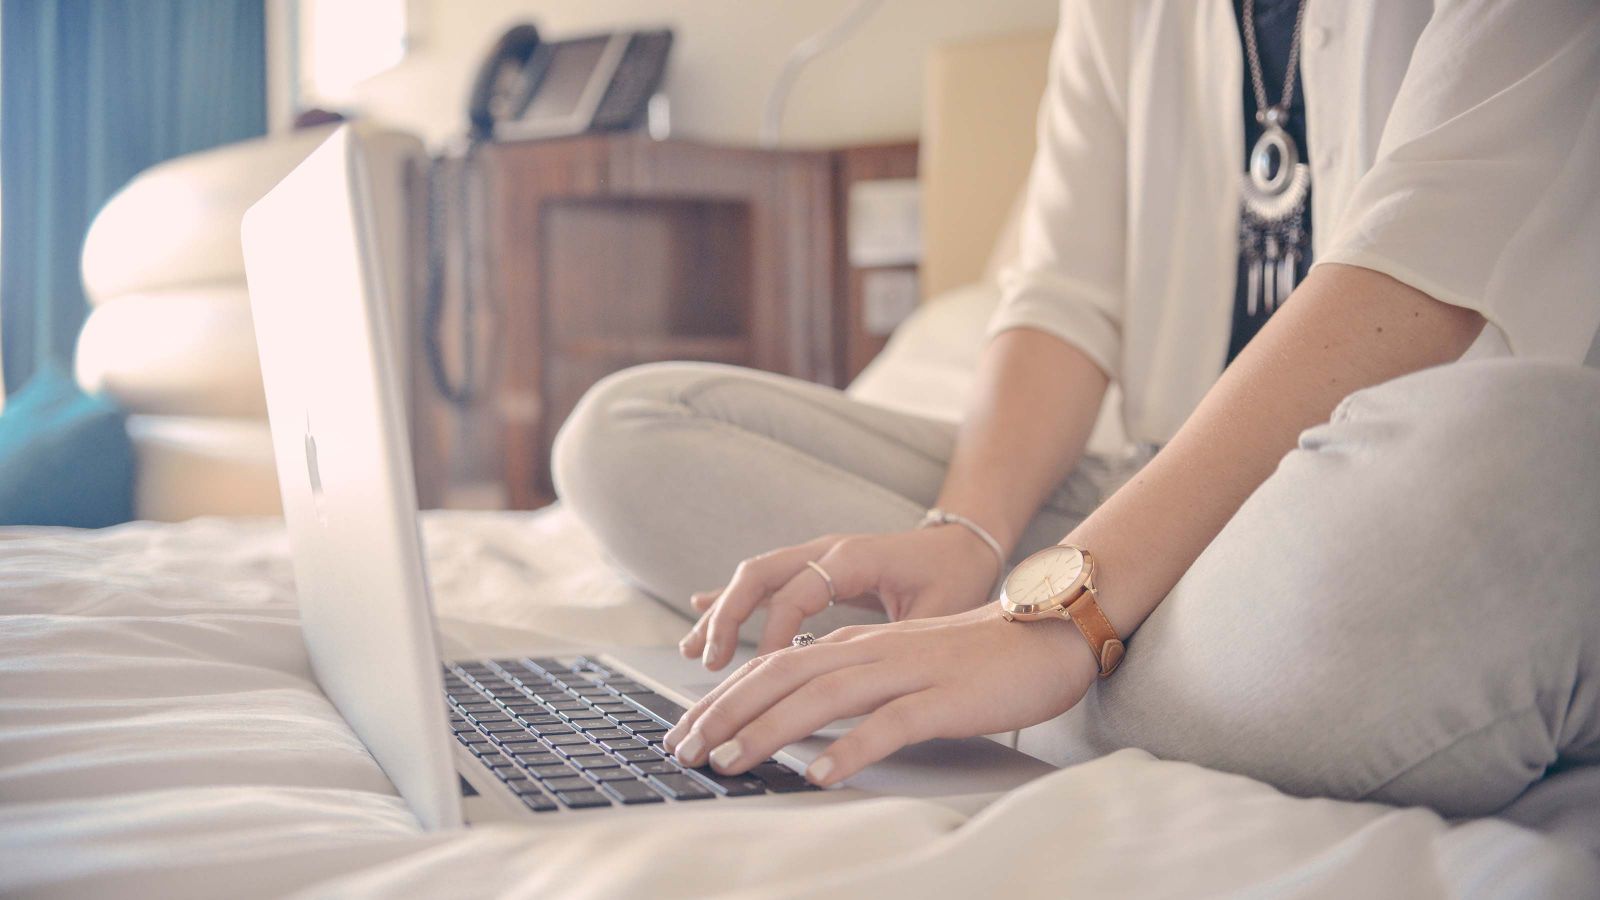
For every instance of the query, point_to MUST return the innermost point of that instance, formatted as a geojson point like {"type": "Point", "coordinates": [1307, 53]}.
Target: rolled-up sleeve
{"type": "Point", "coordinates": [1485, 191]}
{"type": "Point", "coordinates": [1068, 279]}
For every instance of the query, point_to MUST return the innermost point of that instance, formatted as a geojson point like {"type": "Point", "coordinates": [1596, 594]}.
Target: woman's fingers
{"type": "Point", "coordinates": [851, 566]}
{"type": "Point", "coordinates": [757, 685]}
{"type": "Point", "coordinates": [840, 694]}
{"type": "Point", "coordinates": [902, 721]}
{"type": "Point", "coordinates": [753, 582]}
{"type": "Point", "coordinates": [694, 643]}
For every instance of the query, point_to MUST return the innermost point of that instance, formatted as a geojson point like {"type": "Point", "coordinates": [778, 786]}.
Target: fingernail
{"type": "Point", "coordinates": [820, 769]}
{"type": "Point", "coordinates": [689, 748]}
{"type": "Point", "coordinates": [683, 648]}
{"type": "Point", "coordinates": [705, 658]}
{"type": "Point", "coordinates": [725, 756]}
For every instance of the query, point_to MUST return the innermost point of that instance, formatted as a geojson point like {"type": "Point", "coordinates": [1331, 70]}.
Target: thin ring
{"type": "Point", "coordinates": [833, 595]}
{"type": "Point", "coordinates": [803, 639]}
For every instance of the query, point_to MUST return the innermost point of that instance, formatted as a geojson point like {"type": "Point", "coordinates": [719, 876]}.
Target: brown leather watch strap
{"type": "Point", "coordinates": [1108, 650]}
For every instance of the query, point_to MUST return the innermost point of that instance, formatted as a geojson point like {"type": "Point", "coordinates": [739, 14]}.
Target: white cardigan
{"type": "Point", "coordinates": [1454, 145]}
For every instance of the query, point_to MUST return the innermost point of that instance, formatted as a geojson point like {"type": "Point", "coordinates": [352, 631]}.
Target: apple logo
{"type": "Point", "coordinates": [314, 471]}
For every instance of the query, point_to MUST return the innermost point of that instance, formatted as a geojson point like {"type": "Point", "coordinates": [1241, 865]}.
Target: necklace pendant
{"type": "Point", "coordinates": [1277, 182]}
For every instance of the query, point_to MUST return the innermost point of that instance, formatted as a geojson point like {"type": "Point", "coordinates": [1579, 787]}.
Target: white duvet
{"type": "Point", "coordinates": [161, 736]}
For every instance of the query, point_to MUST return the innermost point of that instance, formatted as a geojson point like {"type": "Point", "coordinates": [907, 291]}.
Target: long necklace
{"type": "Point", "coordinates": [1275, 185]}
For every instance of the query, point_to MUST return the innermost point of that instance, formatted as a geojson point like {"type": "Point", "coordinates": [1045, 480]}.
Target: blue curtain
{"type": "Point", "coordinates": [91, 93]}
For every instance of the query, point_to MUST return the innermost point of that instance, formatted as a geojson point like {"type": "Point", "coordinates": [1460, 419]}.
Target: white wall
{"type": "Point", "coordinates": [724, 61]}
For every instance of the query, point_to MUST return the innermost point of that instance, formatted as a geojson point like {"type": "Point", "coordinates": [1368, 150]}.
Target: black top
{"type": "Point", "coordinates": [1274, 20]}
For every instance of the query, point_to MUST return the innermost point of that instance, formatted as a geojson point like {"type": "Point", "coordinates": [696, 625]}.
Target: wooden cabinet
{"type": "Point", "coordinates": [605, 252]}
{"type": "Point", "coordinates": [610, 251]}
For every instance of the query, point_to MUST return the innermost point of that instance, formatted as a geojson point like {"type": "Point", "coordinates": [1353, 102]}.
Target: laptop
{"type": "Point", "coordinates": [537, 736]}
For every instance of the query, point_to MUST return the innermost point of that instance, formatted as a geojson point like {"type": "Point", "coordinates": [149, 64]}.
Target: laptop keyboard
{"type": "Point", "coordinates": [580, 736]}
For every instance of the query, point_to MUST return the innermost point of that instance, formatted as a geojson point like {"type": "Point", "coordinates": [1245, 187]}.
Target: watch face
{"type": "Point", "coordinates": [1044, 575]}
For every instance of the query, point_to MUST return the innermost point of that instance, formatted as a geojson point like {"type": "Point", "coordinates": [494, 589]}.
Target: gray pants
{"type": "Point", "coordinates": [1408, 610]}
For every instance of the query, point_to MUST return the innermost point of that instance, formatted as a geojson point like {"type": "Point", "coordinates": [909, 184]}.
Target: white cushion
{"type": "Point", "coordinates": [190, 352]}
{"type": "Point", "coordinates": [930, 364]}
{"type": "Point", "coordinates": [190, 467]}
{"type": "Point", "coordinates": [177, 223]}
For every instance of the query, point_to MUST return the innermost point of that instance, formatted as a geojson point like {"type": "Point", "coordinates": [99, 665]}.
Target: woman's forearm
{"type": "Point", "coordinates": [1036, 401]}
{"type": "Point", "coordinates": [1345, 328]}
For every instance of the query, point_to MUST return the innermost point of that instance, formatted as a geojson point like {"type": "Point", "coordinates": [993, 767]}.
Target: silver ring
{"type": "Point", "coordinates": [803, 639]}
{"type": "Point", "coordinates": [833, 595]}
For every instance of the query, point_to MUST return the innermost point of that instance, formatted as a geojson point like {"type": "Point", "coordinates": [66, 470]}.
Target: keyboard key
{"type": "Point", "coordinates": [626, 686]}
{"type": "Point", "coordinates": [591, 692]}
{"type": "Point", "coordinates": [484, 706]}
{"type": "Point", "coordinates": [658, 767]}
{"type": "Point", "coordinates": [680, 787]}
{"type": "Point", "coordinates": [600, 724]}
{"type": "Point", "coordinates": [472, 737]}
{"type": "Point", "coordinates": [504, 768]}
{"type": "Point", "coordinates": [728, 785]}
{"type": "Point", "coordinates": [549, 728]}
{"type": "Point", "coordinates": [583, 799]}
{"type": "Point", "coordinates": [572, 750]}
{"type": "Point", "coordinates": [592, 717]}
{"type": "Point", "coordinates": [565, 740]}
{"type": "Point", "coordinates": [590, 763]}
{"type": "Point", "coordinates": [568, 783]}
{"type": "Point", "coordinates": [515, 747]}
{"type": "Point", "coordinates": [779, 779]}
{"type": "Point", "coordinates": [462, 727]}
{"type": "Point", "coordinates": [494, 728]}
{"type": "Point", "coordinates": [539, 759]}
{"type": "Point", "coordinates": [615, 707]}
{"type": "Point", "coordinates": [522, 786]}
{"type": "Point", "coordinates": [538, 802]}
{"type": "Point", "coordinates": [620, 743]}
{"type": "Point", "coordinates": [553, 770]}
{"type": "Point", "coordinates": [647, 727]}
{"type": "Point", "coordinates": [639, 756]}
{"type": "Point", "coordinates": [657, 706]}
{"type": "Point", "coordinates": [631, 718]}
{"type": "Point", "coordinates": [612, 774]}
{"type": "Point", "coordinates": [547, 664]}
{"type": "Point", "coordinates": [568, 705]}
{"type": "Point", "coordinates": [631, 792]}
{"type": "Point", "coordinates": [606, 734]}
{"type": "Point", "coordinates": [483, 750]}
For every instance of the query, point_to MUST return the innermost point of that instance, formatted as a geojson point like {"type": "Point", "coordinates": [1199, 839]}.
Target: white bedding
{"type": "Point", "coordinates": [160, 736]}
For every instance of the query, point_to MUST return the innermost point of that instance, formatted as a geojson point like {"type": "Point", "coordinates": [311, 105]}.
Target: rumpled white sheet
{"type": "Point", "coordinates": [160, 736]}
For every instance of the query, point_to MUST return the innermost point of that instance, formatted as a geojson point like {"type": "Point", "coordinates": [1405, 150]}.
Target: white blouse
{"type": "Point", "coordinates": [1454, 146]}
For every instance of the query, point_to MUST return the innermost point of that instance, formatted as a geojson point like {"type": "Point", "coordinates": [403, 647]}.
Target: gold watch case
{"type": "Point", "coordinates": [1046, 583]}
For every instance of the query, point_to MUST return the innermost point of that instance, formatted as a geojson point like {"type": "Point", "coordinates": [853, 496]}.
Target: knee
{"type": "Point", "coordinates": [1502, 425]}
{"type": "Point", "coordinates": [607, 440]}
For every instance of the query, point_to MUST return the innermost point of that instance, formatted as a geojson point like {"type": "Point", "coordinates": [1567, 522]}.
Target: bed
{"type": "Point", "coordinates": [161, 736]}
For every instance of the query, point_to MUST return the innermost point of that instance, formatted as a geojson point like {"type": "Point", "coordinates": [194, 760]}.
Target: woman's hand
{"type": "Point", "coordinates": [913, 574]}
{"type": "Point", "coordinates": [952, 677]}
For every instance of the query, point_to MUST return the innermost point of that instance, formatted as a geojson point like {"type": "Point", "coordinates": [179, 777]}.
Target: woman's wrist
{"type": "Point", "coordinates": [941, 518]}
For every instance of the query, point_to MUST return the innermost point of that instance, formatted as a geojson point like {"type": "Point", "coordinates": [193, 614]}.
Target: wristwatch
{"type": "Point", "coordinates": [1058, 582]}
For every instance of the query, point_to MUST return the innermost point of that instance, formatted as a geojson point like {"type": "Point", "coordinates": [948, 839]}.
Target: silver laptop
{"type": "Point", "coordinates": [534, 735]}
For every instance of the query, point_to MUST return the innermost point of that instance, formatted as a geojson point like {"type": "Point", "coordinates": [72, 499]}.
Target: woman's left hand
{"type": "Point", "coordinates": [949, 677]}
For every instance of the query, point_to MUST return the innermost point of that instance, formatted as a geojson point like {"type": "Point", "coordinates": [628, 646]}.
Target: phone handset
{"type": "Point", "coordinates": [506, 82]}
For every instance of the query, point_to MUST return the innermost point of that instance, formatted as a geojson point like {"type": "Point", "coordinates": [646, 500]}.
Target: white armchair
{"type": "Point", "coordinates": [170, 335]}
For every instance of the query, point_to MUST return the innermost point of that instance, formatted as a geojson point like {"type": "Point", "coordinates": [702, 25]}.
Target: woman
{"type": "Point", "coordinates": [1358, 566]}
